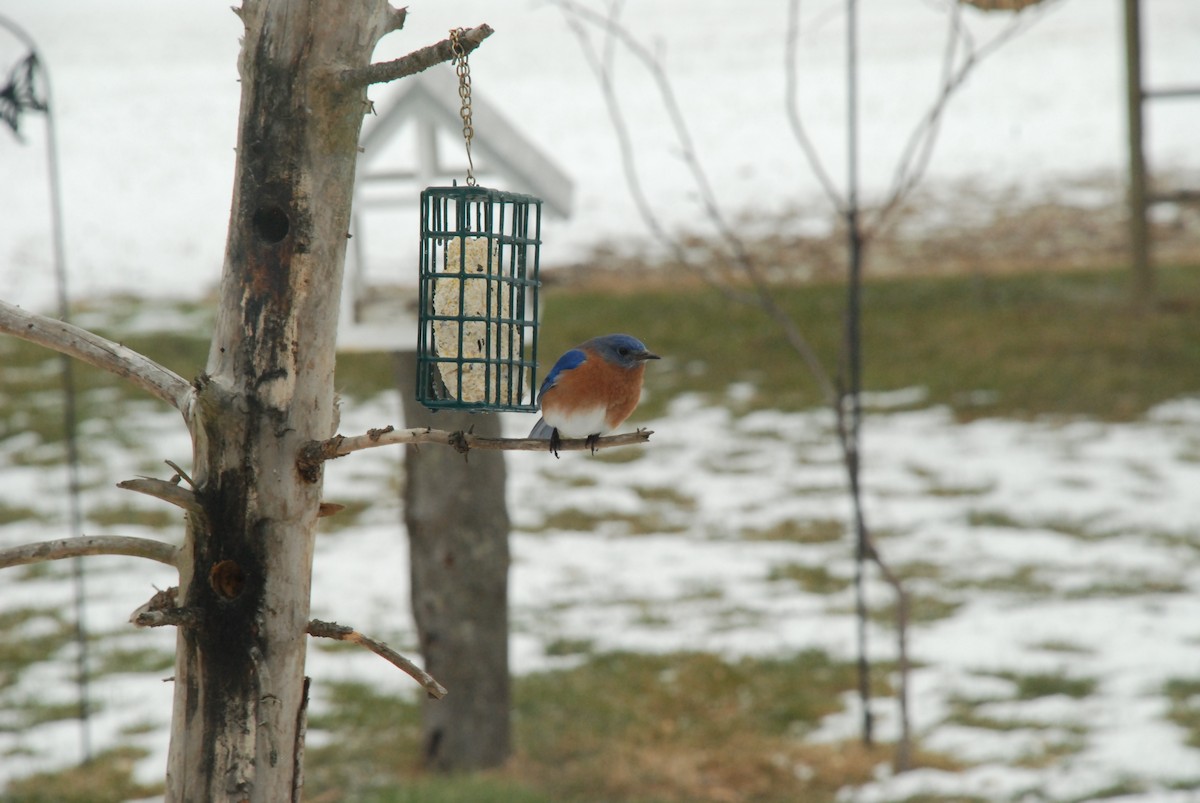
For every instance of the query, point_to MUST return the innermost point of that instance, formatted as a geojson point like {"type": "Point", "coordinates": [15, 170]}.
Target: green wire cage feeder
{"type": "Point", "coordinates": [478, 297]}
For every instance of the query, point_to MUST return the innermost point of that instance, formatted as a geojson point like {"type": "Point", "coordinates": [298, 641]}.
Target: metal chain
{"type": "Point", "coordinates": [464, 92]}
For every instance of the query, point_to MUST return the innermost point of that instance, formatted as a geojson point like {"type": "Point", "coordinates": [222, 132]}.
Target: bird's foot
{"type": "Point", "coordinates": [592, 440]}
{"type": "Point", "coordinates": [555, 441]}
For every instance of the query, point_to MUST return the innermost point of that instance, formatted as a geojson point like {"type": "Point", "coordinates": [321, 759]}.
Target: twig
{"type": "Point", "coordinates": [88, 545]}
{"type": "Point", "coordinates": [799, 132]}
{"type": "Point", "coordinates": [81, 344]}
{"type": "Point", "coordinates": [180, 474]}
{"type": "Point", "coordinates": [417, 61]}
{"type": "Point", "coordinates": [161, 610]}
{"type": "Point", "coordinates": [166, 491]}
{"type": "Point", "coordinates": [918, 150]}
{"type": "Point", "coordinates": [338, 632]}
{"type": "Point", "coordinates": [317, 452]}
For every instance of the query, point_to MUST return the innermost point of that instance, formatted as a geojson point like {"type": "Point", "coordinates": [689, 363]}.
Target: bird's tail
{"type": "Point", "coordinates": [541, 430]}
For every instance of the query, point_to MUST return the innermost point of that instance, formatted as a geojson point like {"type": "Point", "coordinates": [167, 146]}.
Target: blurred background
{"type": "Point", "coordinates": [682, 615]}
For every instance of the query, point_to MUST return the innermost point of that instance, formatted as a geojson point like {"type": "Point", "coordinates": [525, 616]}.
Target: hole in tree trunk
{"type": "Point", "coordinates": [227, 579]}
{"type": "Point", "coordinates": [270, 223]}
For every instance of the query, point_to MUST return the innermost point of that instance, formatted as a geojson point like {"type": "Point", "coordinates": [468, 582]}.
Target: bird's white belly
{"type": "Point", "coordinates": [578, 424]}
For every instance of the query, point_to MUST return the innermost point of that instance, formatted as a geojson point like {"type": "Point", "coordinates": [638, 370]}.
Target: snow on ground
{"type": "Point", "coordinates": [146, 95]}
{"type": "Point", "coordinates": [1068, 547]}
{"type": "Point", "coordinates": [1065, 548]}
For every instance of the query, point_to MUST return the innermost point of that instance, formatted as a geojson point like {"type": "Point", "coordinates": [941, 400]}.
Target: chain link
{"type": "Point", "coordinates": [464, 93]}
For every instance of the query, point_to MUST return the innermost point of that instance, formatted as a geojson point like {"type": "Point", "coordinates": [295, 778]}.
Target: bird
{"type": "Point", "coordinates": [591, 389]}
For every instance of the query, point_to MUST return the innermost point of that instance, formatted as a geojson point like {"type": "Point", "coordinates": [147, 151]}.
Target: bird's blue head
{"type": "Point", "coordinates": [624, 350]}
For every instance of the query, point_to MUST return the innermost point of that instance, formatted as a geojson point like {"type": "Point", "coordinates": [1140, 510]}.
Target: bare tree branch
{"type": "Point", "coordinates": [417, 61]}
{"type": "Point", "coordinates": [88, 545]}
{"type": "Point", "coordinates": [317, 452]}
{"type": "Point", "coordinates": [741, 261]}
{"type": "Point", "coordinates": [166, 491]}
{"type": "Point", "coordinates": [98, 351]}
{"type": "Point", "coordinates": [791, 49]}
{"type": "Point", "coordinates": [904, 756]}
{"type": "Point", "coordinates": [162, 610]}
{"type": "Point", "coordinates": [338, 632]}
{"type": "Point", "coordinates": [918, 150]}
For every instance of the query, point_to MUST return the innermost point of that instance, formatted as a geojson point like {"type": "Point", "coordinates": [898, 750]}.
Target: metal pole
{"type": "Point", "coordinates": [70, 415]}
{"type": "Point", "coordinates": [1139, 236]}
{"type": "Point", "coordinates": [70, 427]}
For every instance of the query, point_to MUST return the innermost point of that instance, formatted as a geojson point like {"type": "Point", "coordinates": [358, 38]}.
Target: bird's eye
{"type": "Point", "coordinates": [624, 352]}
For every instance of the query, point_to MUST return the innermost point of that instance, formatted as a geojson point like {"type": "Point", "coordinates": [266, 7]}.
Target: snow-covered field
{"type": "Point", "coordinates": [1068, 548]}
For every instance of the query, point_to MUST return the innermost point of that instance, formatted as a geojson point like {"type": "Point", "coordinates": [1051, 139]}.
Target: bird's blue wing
{"type": "Point", "coordinates": [572, 359]}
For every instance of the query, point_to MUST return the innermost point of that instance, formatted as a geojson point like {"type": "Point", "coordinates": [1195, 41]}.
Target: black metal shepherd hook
{"type": "Point", "coordinates": [28, 90]}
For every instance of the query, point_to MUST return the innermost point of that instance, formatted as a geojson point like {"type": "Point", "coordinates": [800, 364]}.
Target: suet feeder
{"type": "Point", "coordinates": [478, 293]}
{"type": "Point", "coordinates": [478, 297]}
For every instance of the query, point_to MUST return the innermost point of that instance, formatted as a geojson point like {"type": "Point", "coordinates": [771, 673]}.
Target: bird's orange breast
{"type": "Point", "coordinates": [595, 383]}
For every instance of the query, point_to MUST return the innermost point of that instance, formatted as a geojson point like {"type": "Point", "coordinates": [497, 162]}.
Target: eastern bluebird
{"type": "Point", "coordinates": [592, 389]}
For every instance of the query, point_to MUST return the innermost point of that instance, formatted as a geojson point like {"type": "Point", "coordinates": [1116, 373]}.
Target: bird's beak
{"type": "Point", "coordinates": [646, 355]}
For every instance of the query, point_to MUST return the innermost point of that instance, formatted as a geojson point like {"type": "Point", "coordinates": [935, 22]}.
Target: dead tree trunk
{"type": "Point", "coordinates": [458, 528]}
{"type": "Point", "coordinates": [245, 567]}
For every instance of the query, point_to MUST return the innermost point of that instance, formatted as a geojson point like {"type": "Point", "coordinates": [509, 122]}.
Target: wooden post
{"type": "Point", "coordinates": [1139, 235]}
{"type": "Point", "coordinates": [458, 528]}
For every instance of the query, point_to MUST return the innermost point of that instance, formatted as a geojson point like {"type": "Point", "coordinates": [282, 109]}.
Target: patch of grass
{"type": "Point", "coordinates": [1013, 345]}
{"type": "Point", "coordinates": [569, 646]}
{"type": "Point", "coordinates": [585, 521]}
{"type": "Point", "coordinates": [1183, 695]}
{"type": "Point", "coordinates": [107, 778]}
{"type": "Point", "coordinates": [376, 741]}
{"type": "Point", "coordinates": [922, 607]}
{"type": "Point", "coordinates": [686, 727]}
{"type": "Point", "coordinates": [1124, 787]}
{"type": "Point", "coordinates": [30, 712]}
{"type": "Point", "coordinates": [993, 518]}
{"type": "Point", "coordinates": [1023, 579]}
{"type": "Point", "coordinates": [157, 518]}
{"type": "Point", "coordinates": [365, 374]}
{"type": "Point", "coordinates": [1085, 529]}
{"type": "Point", "coordinates": [1134, 585]}
{"type": "Point", "coordinates": [11, 514]}
{"type": "Point", "coordinates": [618, 727]}
{"type": "Point", "coordinates": [1057, 740]}
{"type": "Point", "coordinates": [933, 797]}
{"type": "Point", "coordinates": [19, 649]}
{"type": "Point", "coordinates": [649, 614]}
{"type": "Point", "coordinates": [808, 531]}
{"type": "Point", "coordinates": [813, 579]}
{"type": "Point", "coordinates": [1062, 646]}
{"type": "Point", "coordinates": [1053, 748]}
{"type": "Point", "coordinates": [1088, 528]}
{"type": "Point", "coordinates": [937, 486]}
{"type": "Point", "coordinates": [483, 788]}
{"type": "Point", "coordinates": [626, 454]}
{"type": "Point", "coordinates": [969, 713]}
{"type": "Point", "coordinates": [920, 570]}
{"type": "Point", "coordinates": [666, 495]}
{"type": "Point", "coordinates": [132, 660]}
{"type": "Point", "coordinates": [1033, 685]}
